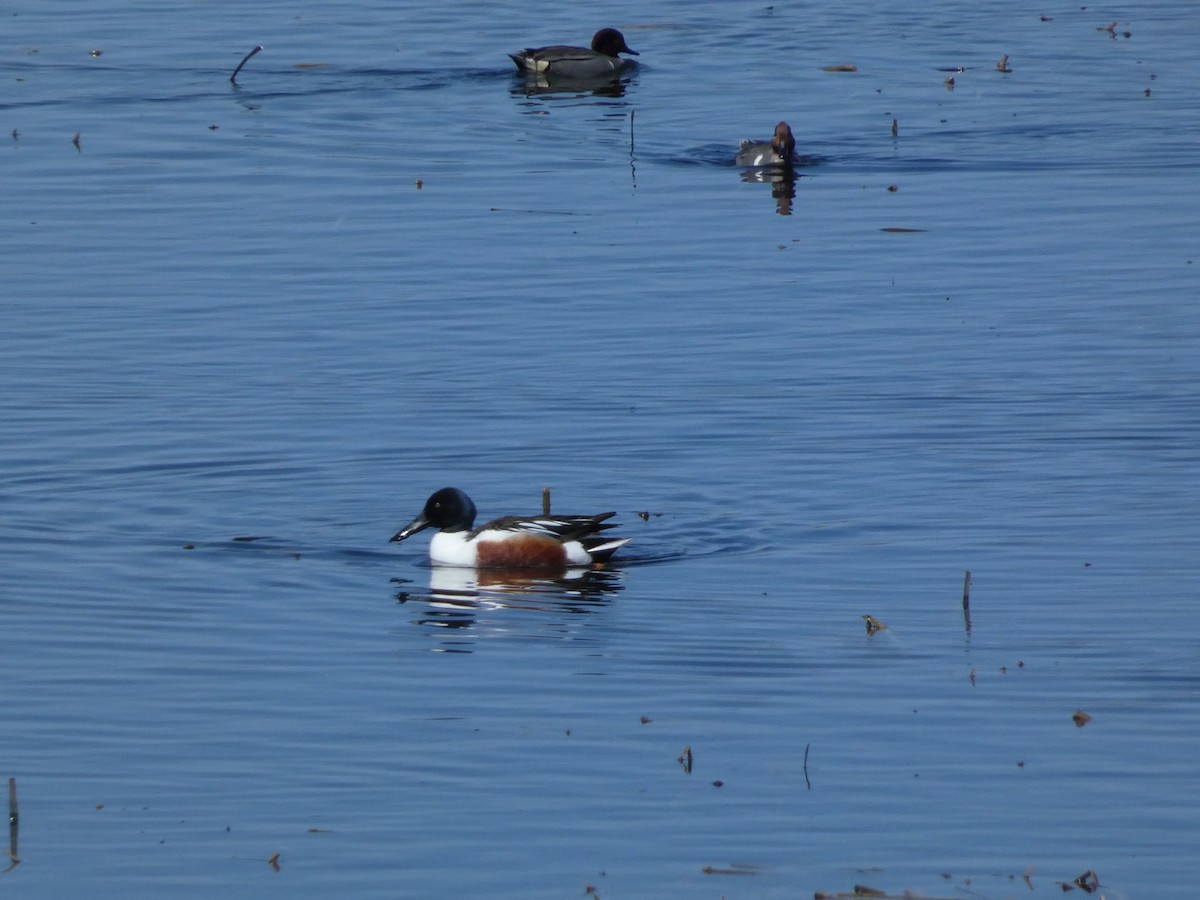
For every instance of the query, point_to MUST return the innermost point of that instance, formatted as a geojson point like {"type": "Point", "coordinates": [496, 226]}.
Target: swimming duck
{"type": "Point", "coordinates": [577, 62]}
{"type": "Point", "coordinates": [511, 541]}
{"type": "Point", "coordinates": [780, 150]}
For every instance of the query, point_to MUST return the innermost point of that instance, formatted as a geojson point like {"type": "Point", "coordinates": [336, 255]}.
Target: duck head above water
{"type": "Point", "coordinates": [610, 42]}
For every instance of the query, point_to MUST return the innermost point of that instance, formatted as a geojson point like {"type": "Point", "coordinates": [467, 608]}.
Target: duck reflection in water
{"type": "Point", "coordinates": [458, 595]}
{"type": "Point", "coordinates": [783, 186]}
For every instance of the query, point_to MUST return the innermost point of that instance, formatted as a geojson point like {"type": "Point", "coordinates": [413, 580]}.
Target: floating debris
{"type": "Point", "coordinates": [733, 870]}
{"type": "Point", "coordinates": [14, 820]}
{"type": "Point", "coordinates": [1080, 718]}
{"type": "Point", "coordinates": [75, 141]}
{"type": "Point", "coordinates": [894, 230]}
{"type": "Point", "coordinates": [646, 720]}
{"type": "Point", "coordinates": [1088, 882]}
{"type": "Point", "coordinates": [895, 128]}
{"type": "Point", "coordinates": [846, 67]}
{"type": "Point", "coordinates": [873, 624]}
{"type": "Point", "coordinates": [685, 760]}
{"type": "Point", "coordinates": [245, 59]}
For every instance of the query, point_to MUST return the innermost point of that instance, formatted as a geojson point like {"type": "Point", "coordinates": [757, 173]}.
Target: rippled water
{"type": "Point", "coordinates": [247, 330]}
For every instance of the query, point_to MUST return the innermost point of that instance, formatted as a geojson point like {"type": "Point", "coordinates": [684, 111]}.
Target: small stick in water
{"type": "Point", "coordinates": [13, 820]}
{"type": "Point", "coordinates": [967, 590]}
{"type": "Point", "coordinates": [246, 59]}
{"type": "Point", "coordinates": [806, 781]}
{"type": "Point", "coordinates": [545, 501]}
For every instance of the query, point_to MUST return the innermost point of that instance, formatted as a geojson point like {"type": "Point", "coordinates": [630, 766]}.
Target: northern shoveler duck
{"type": "Point", "coordinates": [780, 150]}
{"type": "Point", "coordinates": [577, 62]}
{"type": "Point", "coordinates": [512, 541]}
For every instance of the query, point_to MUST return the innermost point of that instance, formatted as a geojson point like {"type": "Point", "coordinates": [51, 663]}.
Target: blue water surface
{"type": "Point", "coordinates": [247, 329]}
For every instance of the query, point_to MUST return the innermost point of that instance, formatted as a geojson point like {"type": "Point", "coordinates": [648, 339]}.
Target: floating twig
{"type": "Point", "coordinates": [967, 590]}
{"type": "Point", "coordinates": [245, 59]}
{"type": "Point", "coordinates": [807, 783]}
{"type": "Point", "coordinates": [13, 822]}
{"type": "Point", "coordinates": [744, 870]}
